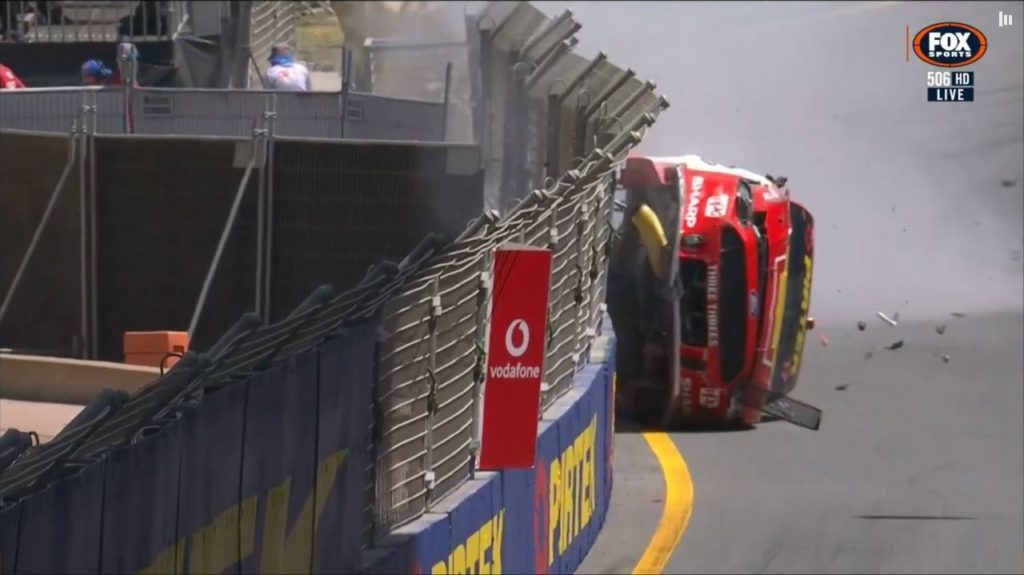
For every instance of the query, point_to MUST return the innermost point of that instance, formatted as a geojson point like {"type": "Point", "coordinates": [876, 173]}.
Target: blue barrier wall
{"type": "Point", "coordinates": [63, 535]}
{"type": "Point", "coordinates": [542, 520]}
{"type": "Point", "coordinates": [263, 476]}
{"type": "Point", "coordinates": [9, 519]}
{"type": "Point", "coordinates": [140, 501]}
{"type": "Point", "coordinates": [259, 477]}
{"type": "Point", "coordinates": [346, 396]}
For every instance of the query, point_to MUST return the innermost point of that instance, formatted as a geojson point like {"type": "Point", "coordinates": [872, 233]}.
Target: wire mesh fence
{"type": "Point", "coordinates": [432, 351]}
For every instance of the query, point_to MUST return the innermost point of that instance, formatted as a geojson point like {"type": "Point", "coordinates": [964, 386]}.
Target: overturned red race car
{"type": "Point", "coordinates": [709, 293]}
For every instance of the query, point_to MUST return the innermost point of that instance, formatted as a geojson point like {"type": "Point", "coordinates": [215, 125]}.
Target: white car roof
{"type": "Point", "coordinates": [695, 162]}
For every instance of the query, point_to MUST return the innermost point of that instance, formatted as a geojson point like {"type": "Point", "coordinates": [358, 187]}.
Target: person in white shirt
{"type": "Point", "coordinates": [285, 73]}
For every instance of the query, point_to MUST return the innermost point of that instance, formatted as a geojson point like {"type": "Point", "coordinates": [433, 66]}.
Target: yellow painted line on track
{"type": "Point", "coordinates": [678, 505]}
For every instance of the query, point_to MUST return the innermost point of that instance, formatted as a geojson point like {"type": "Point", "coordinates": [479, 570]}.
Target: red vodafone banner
{"type": "Point", "coordinates": [515, 357]}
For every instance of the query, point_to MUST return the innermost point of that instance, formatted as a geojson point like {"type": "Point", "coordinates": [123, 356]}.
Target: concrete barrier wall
{"type": "Point", "coordinates": [61, 380]}
{"type": "Point", "coordinates": [542, 520]}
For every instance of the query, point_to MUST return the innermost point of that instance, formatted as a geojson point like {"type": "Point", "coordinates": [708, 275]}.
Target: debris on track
{"type": "Point", "coordinates": [893, 322]}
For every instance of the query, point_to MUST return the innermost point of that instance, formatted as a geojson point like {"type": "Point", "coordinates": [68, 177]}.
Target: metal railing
{"type": "Point", "coordinates": [51, 110]}
{"type": "Point", "coordinates": [90, 21]}
{"type": "Point", "coordinates": [210, 112]}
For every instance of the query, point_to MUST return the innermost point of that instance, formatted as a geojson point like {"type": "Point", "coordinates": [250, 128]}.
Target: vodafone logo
{"type": "Point", "coordinates": [510, 346]}
{"type": "Point", "coordinates": [517, 341]}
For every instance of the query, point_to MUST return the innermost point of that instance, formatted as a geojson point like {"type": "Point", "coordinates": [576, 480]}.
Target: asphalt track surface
{"type": "Point", "coordinates": [918, 466]}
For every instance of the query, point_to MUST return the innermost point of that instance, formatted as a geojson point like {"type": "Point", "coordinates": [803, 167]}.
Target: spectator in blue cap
{"type": "Point", "coordinates": [285, 73]}
{"type": "Point", "coordinates": [95, 73]}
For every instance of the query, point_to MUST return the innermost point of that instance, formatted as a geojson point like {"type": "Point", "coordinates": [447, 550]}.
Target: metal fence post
{"type": "Point", "coordinates": [432, 406]}
{"type": "Point", "coordinates": [94, 335]}
{"type": "Point", "coordinates": [262, 143]}
{"type": "Point", "coordinates": [582, 247]}
{"type": "Point", "coordinates": [579, 141]}
{"type": "Point", "coordinates": [553, 238]}
{"type": "Point", "coordinates": [346, 87]}
{"type": "Point", "coordinates": [483, 299]}
{"type": "Point", "coordinates": [598, 257]}
{"type": "Point", "coordinates": [486, 95]}
{"type": "Point", "coordinates": [270, 128]}
{"type": "Point", "coordinates": [83, 216]}
{"type": "Point", "coordinates": [446, 101]}
{"type": "Point", "coordinates": [554, 142]}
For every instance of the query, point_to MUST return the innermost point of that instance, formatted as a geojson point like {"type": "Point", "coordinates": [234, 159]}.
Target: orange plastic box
{"type": "Point", "coordinates": [151, 347]}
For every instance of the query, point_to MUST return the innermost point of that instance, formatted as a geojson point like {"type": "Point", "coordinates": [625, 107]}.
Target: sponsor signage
{"type": "Point", "coordinates": [515, 358]}
{"type": "Point", "coordinates": [949, 45]}
{"type": "Point", "coordinates": [693, 202]}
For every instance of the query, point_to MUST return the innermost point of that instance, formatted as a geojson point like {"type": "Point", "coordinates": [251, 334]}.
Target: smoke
{"type": "Point", "coordinates": [409, 21]}
{"type": "Point", "coordinates": [412, 71]}
{"type": "Point", "coordinates": [918, 205]}
{"type": "Point", "coordinates": [418, 72]}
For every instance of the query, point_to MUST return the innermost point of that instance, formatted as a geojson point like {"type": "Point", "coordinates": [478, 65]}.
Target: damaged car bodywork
{"type": "Point", "coordinates": [709, 293]}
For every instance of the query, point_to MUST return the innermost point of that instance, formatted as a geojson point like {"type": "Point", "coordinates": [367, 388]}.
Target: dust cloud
{"type": "Point", "coordinates": [410, 72]}
{"type": "Point", "coordinates": [918, 205]}
{"type": "Point", "coordinates": [419, 72]}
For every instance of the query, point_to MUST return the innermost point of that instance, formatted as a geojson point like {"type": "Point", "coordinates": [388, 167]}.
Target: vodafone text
{"type": "Point", "coordinates": [515, 371]}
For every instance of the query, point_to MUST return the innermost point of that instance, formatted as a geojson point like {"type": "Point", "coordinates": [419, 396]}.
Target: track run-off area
{"type": "Point", "coordinates": [916, 468]}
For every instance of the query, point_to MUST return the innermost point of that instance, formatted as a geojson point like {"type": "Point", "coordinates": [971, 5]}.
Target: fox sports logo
{"type": "Point", "coordinates": [950, 44]}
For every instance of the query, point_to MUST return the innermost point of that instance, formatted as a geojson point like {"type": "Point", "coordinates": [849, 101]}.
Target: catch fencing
{"type": "Point", "coordinates": [270, 22]}
{"type": "Point", "coordinates": [552, 128]}
{"type": "Point", "coordinates": [431, 364]}
{"type": "Point", "coordinates": [49, 22]}
{"type": "Point", "coordinates": [228, 113]}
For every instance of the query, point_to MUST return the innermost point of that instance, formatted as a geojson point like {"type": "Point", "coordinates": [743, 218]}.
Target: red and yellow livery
{"type": "Point", "coordinates": [710, 294]}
